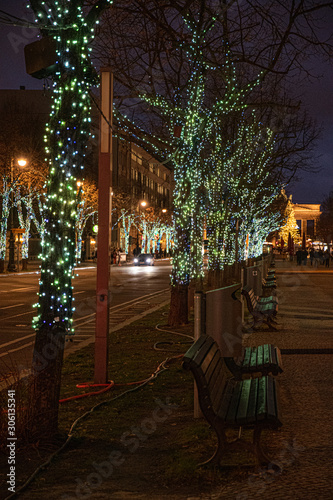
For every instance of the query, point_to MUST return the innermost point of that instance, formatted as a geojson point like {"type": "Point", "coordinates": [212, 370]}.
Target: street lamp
{"type": "Point", "coordinates": [11, 259]}
{"type": "Point", "coordinates": [142, 204]}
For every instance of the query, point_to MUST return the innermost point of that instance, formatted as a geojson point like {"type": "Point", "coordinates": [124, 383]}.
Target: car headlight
{"type": "Point", "coordinates": [148, 260]}
{"type": "Point", "coordinates": [136, 260]}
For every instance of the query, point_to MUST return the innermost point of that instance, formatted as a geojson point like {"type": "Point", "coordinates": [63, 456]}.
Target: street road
{"type": "Point", "coordinates": [131, 289]}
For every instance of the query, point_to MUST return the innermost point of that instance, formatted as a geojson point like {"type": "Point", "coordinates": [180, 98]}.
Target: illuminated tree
{"type": "Point", "coordinates": [126, 221]}
{"type": "Point", "coordinates": [195, 119]}
{"type": "Point", "coordinates": [289, 224]}
{"type": "Point", "coordinates": [172, 63]}
{"type": "Point", "coordinates": [71, 24]}
{"type": "Point", "coordinates": [5, 210]}
{"type": "Point", "coordinates": [87, 205]}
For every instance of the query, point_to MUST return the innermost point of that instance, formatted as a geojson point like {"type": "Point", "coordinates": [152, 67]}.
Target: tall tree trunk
{"type": "Point", "coordinates": [178, 312]}
{"type": "Point", "coordinates": [46, 373]}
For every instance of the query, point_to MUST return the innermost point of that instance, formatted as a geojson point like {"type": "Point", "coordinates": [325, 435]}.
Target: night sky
{"type": "Point", "coordinates": [318, 99]}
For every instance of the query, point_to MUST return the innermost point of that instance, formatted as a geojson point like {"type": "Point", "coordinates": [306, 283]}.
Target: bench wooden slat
{"type": "Point", "coordinates": [273, 356]}
{"type": "Point", "coordinates": [267, 358]}
{"type": "Point", "coordinates": [233, 405]}
{"type": "Point", "coordinates": [216, 388]}
{"type": "Point", "coordinates": [205, 356]}
{"type": "Point", "coordinates": [205, 363]}
{"type": "Point", "coordinates": [252, 406]}
{"type": "Point", "coordinates": [271, 408]}
{"type": "Point", "coordinates": [213, 365]}
{"type": "Point", "coordinates": [260, 357]}
{"type": "Point", "coordinates": [226, 400]}
{"type": "Point", "coordinates": [244, 402]}
{"type": "Point", "coordinates": [253, 360]}
{"type": "Point", "coordinates": [262, 399]}
{"type": "Point", "coordinates": [247, 358]}
{"type": "Point", "coordinates": [195, 347]}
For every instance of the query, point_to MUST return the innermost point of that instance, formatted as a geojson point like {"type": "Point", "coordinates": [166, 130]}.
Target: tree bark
{"type": "Point", "coordinates": [46, 372]}
{"type": "Point", "coordinates": [178, 312]}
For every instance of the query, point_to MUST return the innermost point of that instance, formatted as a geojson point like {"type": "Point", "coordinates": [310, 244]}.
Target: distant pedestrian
{"type": "Point", "coordinates": [311, 256]}
{"type": "Point", "coordinates": [327, 258]}
{"type": "Point", "coordinates": [316, 258]}
{"type": "Point", "coordinates": [299, 257]}
{"type": "Point", "coordinates": [304, 257]}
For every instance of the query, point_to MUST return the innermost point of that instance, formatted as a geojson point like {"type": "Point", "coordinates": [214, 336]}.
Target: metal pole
{"type": "Point", "coordinates": [104, 230]}
{"type": "Point", "coordinates": [11, 256]}
{"type": "Point", "coordinates": [242, 296]}
{"type": "Point", "coordinates": [198, 322]}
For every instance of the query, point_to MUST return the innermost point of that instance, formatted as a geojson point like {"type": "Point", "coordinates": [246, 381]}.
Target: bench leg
{"type": "Point", "coordinates": [270, 322]}
{"type": "Point", "coordinates": [221, 445]}
{"type": "Point", "coordinates": [261, 458]}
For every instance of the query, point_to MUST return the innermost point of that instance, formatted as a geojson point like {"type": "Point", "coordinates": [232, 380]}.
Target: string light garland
{"type": "Point", "coordinates": [5, 211]}
{"type": "Point", "coordinates": [72, 28]}
{"type": "Point", "coordinates": [240, 193]}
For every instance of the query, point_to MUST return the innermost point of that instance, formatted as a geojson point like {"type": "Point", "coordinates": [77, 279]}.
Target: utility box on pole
{"type": "Point", "coordinates": [104, 229]}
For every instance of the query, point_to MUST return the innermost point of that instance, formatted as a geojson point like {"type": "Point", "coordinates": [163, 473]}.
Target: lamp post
{"type": "Point", "coordinates": [11, 259]}
{"type": "Point", "coordinates": [141, 204]}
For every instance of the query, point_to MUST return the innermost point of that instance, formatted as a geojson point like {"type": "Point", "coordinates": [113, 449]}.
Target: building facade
{"type": "Point", "coordinates": [138, 174]}
{"type": "Point", "coordinates": [306, 216]}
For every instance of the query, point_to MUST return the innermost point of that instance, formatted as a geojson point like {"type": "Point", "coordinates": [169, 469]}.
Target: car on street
{"type": "Point", "coordinates": [144, 259]}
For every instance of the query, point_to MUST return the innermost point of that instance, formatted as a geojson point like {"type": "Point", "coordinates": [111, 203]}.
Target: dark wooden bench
{"type": "Point", "coordinates": [262, 359]}
{"type": "Point", "coordinates": [268, 285]}
{"type": "Point", "coordinates": [227, 403]}
{"type": "Point", "coordinates": [263, 309]}
{"type": "Point", "coordinates": [269, 282]}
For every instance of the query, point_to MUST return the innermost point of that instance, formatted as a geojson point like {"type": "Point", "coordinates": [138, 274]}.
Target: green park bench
{"type": "Point", "coordinates": [227, 403]}
{"type": "Point", "coordinates": [263, 309]}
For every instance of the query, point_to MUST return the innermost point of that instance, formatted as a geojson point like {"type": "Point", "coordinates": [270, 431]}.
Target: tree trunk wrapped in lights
{"type": "Point", "coordinates": [72, 27]}
{"type": "Point", "coordinates": [5, 211]}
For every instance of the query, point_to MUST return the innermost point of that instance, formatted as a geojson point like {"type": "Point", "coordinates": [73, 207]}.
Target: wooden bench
{"type": "Point", "coordinates": [263, 359]}
{"type": "Point", "coordinates": [263, 309]}
{"type": "Point", "coordinates": [268, 284]}
{"type": "Point", "coordinates": [229, 403]}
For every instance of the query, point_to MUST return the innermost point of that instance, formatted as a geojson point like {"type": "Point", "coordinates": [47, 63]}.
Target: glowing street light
{"type": "Point", "coordinates": [142, 204]}
{"type": "Point", "coordinates": [22, 162]}
{"type": "Point", "coordinates": [11, 259]}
